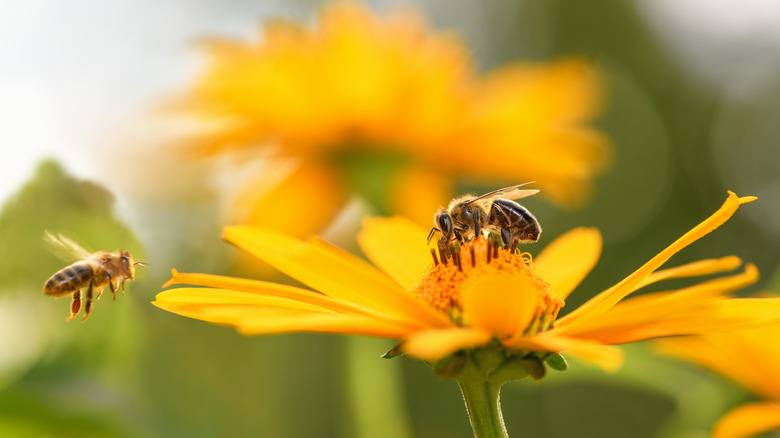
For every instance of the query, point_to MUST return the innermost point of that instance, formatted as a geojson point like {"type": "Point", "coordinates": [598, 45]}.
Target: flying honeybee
{"type": "Point", "coordinates": [92, 272]}
{"type": "Point", "coordinates": [496, 211]}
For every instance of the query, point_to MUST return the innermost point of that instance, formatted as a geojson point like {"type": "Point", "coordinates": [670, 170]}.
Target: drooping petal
{"type": "Point", "coordinates": [436, 344]}
{"type": "Point", "coordinates": [607, 357]}
{"type": "Point", "coordinates": [333, 275]}
{"type": "Point", "coordinates": [602, 302]}
{"type": "Point", "coordinates": [748, 420]}
{"type": "Point", "coordinates": [397, 246]}
{"type": "Point", "coordinates": [500, 304]}
{"type": "Point", "coordinates": [568, 259]}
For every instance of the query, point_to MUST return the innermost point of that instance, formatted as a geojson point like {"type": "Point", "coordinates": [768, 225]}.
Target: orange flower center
{"type": "Point", "coordinates": [441, 282]}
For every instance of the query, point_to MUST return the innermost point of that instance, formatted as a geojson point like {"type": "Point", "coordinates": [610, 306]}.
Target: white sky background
{"type": "Point", "coordinates": [720, 40]}
{"type": "Point", "coordinates": [69, 70]}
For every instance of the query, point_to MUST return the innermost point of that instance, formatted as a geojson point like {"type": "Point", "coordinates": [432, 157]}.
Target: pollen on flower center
{"type": "Point", "coordinates": [441, 282]}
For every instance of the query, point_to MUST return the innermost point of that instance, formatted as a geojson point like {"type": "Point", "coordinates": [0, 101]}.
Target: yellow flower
{"type": "Point", "coordinates": [481, 297]}
{"type": "Point", "coordinates": [357, 89]}
{"type": "Point", "coordinates": [750, 357]}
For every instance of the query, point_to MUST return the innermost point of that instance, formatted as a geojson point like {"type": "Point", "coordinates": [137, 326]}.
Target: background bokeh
{"type": "Point", "coordinates": [691, 110]}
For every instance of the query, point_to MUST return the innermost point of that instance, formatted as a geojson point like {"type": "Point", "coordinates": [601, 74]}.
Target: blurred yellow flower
{"type": "Point", "coordinates": [750, 357]}
{"type": "Point", "coordinates": [482, 297]}
{"type": "Point", "coordinates": [387, 94]}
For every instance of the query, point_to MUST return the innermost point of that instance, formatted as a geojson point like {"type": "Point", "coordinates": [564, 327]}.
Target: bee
{"type": "Point", "coordinates": [467, 216]}
{"type": "Point", "coordinates": [92, 272]}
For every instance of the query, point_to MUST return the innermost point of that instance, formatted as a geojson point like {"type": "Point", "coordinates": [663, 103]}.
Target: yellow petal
{"type": "Point", "coordinates": [608, 358]}
{"type": "Point", "coordinates": [501, 304]}
{"type": "Point", "coordinates": [397, 246]}
{"type": "Point", "coordinates": [748, 420]}
{"type": "Point", "coordinates": [326, 323]}
{"type": "Point", "coordinates": [228, 313]}
{"type": "Point", "coordinates": [651, 309]}
{"type": "Point", "coordinates": [722, 353]}
{"type": "Point", "coordinates": [746, 356]}
{"type": "Point", "coordinates": [695, 269]}
{"type": "Point", "coordinates": [335, 276]}
{"type": "Point", "coordinates": [568, 259]}
{"type": "Point", "coordinates": [201, 296]}
{"type": "Point", "coordinates": [436, 344]}
{"type": "Point", "coordinates": [605, 300]}
{"type": "Point", "coordinates": [263, 288]}
{"type": "Point", "coordinates": [253, 319]}
{"type": "Point", "coordinates": [729, 314]}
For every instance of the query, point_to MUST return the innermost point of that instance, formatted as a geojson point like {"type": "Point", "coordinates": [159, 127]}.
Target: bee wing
{"type": "Point", "coordinates": [64, 247]}
{"type": "Point", "coordinates": [511, 192]}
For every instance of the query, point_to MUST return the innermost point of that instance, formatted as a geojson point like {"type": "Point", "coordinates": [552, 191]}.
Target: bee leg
{"type": "Point", "coordinates": [75, 305]}
{"type": "Point", "coordinates": [113, 288]}
{"type": "Point", "coordinates": [458, 235]}
{"type": "Point", "coordinates": [88, 301]}
{"type": "Point", "coordinates": [505, 236]}
{"type": "Point", "coordinates": [444, 251]}
{"type": "Point", "coordinates": [430, 235]}
{"type": "Point", "coordinates": [100, 291]}
{"type": "Point", "coordinates": [477, 227]}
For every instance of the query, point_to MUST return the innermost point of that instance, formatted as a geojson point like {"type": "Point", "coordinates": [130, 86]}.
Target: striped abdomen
{"type": "Point", "coordinates": [69, 279]}
{"type": "Point", "coordinates": [510, 215]}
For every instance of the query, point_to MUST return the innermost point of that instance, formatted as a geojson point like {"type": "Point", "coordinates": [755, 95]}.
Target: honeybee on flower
{"type": "Point", "coordinates": [483, 317]}
{"type": "Point", "coordinates": [467, 216]}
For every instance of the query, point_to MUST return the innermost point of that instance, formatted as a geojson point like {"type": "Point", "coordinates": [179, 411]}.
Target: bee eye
{"type": "Point", "coordinates": [125, 259]}
{"type": "Point", "coordinates": [445, 224]}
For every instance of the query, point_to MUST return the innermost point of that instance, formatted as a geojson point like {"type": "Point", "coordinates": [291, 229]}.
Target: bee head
{"type": "Point", "coordinates": [126, 263]}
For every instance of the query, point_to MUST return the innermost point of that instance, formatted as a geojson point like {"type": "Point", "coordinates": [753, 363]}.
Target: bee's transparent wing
{"type": "Point", "coordinates": [511, 192]}
{"type": "Point", "coordinates": [64, 247]}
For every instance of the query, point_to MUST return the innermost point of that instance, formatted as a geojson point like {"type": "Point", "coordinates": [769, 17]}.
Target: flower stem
{"type": "Point", "coordinates": [484, 407]}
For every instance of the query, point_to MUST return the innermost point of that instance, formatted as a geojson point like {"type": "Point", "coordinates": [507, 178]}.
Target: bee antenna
{"type": "Point", "coordinates": [139, 264]}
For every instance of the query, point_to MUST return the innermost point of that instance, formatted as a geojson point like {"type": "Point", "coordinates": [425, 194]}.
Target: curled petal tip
{"type": "Point", "coordinates": [743, 199]}
{"type": "Point", "coordinates": [172, 281]}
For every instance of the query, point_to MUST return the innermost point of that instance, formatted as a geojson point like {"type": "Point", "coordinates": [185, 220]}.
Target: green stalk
{"type": "Point", "coordinates": [484, 407]}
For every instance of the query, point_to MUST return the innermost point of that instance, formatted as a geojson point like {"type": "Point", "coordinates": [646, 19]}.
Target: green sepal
{"type": "Point", "coordinates": [450, 366]}
{"type": "Point", "coordinates": [557, 362]}
{"type": "Point", "coordinates": [393, 352]}
{"type": "Point", "coordinates": [534, 366]}
{"type": "Point", "coordinates": [511, 369]}
{"type": "Point", "coordinates": [490, 358]}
